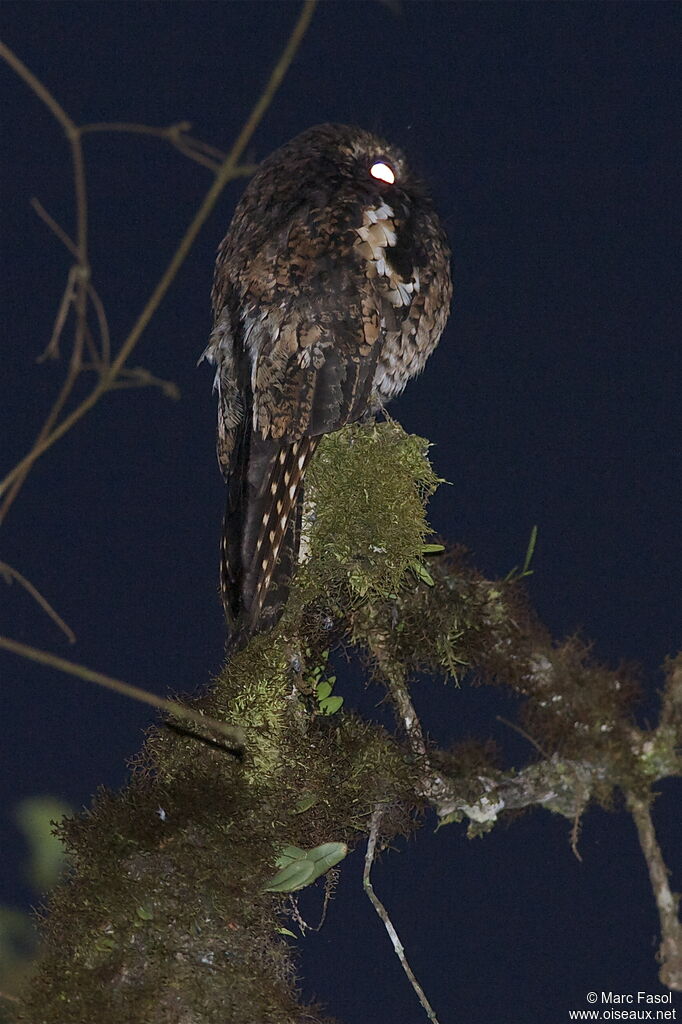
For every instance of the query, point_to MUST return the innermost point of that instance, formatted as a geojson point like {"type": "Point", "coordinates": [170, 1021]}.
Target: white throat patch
{"type": "Point", "coordinates": [375, 236]}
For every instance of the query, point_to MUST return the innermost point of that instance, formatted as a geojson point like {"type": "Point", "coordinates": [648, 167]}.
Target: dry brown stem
{"type": "Point", "coordinates": [667, 902]}
{"type": "Point", "coordinates": [10, 573]}
{"type": "Point", "coordinates": [225, 171]}
{"type": "Point", "coordinates": [383, 914]}
{"type": "Point", "coordinates": [80, 295]}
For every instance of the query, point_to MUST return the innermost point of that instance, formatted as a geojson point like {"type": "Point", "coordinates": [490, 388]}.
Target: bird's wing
{"type": "Point", "coordinates": [315, 368]}
{"type": "Point", "coordinates": [313, 374]}
{"type": "Point", "coordinates": [311, 323]}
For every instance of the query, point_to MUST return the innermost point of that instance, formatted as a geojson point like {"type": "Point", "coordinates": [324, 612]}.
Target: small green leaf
{"type": "Point", "coordinates": [323, 689]}
{"type": "Point", "coordinates": [288, 855]}
{"type": "Point", "coordinates": [304, 870]}
{"type": "Point", "coordinates": [286, 931]}
{"type": "Point", "coordinates": [144, 913]}
{"type": "Point", "coordinates": [432, 549]}
{"type": "Point", "coordinates": [327, 855]}
{"type": "Point", "coordinates": [516, 574]}
{"type": "Point", "coordinates": [423, 573]}
{"type": "Point", "coordinates": [330, 705]}
{"type": "Point", "coordinates": [530, 551]}
{"type": "Point", "coordinates": [294, 876]}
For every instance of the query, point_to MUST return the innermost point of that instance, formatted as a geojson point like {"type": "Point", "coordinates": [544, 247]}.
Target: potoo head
{"type": "Point", "coordinates": [330, 174]}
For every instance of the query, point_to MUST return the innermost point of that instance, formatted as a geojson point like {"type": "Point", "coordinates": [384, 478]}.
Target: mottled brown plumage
{"type": "Point", "coordinates": [332, 287]}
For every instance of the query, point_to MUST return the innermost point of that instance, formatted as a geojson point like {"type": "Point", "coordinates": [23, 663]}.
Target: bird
{"type": "Point", "coordinates": [331, 289]}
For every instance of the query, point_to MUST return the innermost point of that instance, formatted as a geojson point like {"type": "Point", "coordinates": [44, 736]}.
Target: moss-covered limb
{"type": "Point", "coordinates": [164, 918]}
{"type": "Point", "coordinates": [572, 705]}
{"type": "Point", "coordinates": [559, 785]}
{"type": "Point", "coordinates": [667, 902]}
{"type": "Point", "coordinates": [465, 623]}
{"type": "Point", "coordinates": [578, 710]}
{"type": "Point", "coordinates": [456, 788]}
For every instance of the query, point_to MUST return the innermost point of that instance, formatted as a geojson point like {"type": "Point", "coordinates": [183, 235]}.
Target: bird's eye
{"type": "Point", "coordinates": [382, 172]}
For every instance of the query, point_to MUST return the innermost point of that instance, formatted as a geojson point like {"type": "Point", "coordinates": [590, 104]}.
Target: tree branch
{"type": "Point", "coordinates": [233, 734]}
{"type": "Point", "coordinates": [228, 170]}
{"type": "Point", "coordinates": [667, 903]}
{"type": "Point", "coordinates": [383, 914]}
{"type": "Point", "coordinates": [10, 573]}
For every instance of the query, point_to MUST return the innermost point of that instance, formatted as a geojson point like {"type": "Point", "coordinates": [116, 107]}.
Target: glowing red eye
{"type": "Point", "coordinates": [383, 172]}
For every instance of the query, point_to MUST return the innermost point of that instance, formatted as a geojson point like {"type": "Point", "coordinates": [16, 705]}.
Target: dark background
{"type": "Point", "coordinates": [547, 133]}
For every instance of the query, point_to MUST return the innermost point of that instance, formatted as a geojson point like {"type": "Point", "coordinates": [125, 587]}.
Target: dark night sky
{"type": "Point", "coordinates": [547, 133]}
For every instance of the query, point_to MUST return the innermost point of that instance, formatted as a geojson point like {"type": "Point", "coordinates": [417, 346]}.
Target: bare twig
{"type": "Point", "coordinates": [10, 573]}
{"type": "Point", "coordinates": [670, 951]}
{"type": "Point", "coordinates": [383, 913]}
{"type": "Point", "coordinates": [177, 134]}
{"type": "Point", "coordinates": [63, 310]}
{"type": "Point", "coordinates": [55, 227]}
{"type": "Point", "coordinates": [522, 732]}
{"type": "Point", "coordinates": [97, 303]}
{"type": "Point", "coordinates": [77, 288]}
{"type": "Point", "coordinates": [103, 323]}
{"type": "Point", "coordinates": [233, 733]}
{"type": "Point", "coordinates": [228, 170]}
{"type": "Point", "coordinates": [138, 377]}
{"type": "Point", "coordinates": [38, 88]}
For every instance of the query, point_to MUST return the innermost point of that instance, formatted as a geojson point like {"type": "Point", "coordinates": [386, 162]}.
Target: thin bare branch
{"type": "Point", "coordinates": [522, 732]}
{"type": "Point", "coordinates": [38, 88]}
{"type": "Point", "coordinates": [55, 227]}
{"type": "Point", "coordinates": [232, 733]}
{"type": "Point", "coordinates": [75, 294]}
{"type": "Point", "coordinates": [177, 134]}
{"type": "Point", "coordinates": [667, 903]}
{"type": "Point", "coordinates": [75, 365]}
{"type": "Point", "coordinates": [52, 348]}
{"type": "Point", "coordinates": [228, 171]}
{"type": "Point", "coordinates": [383, 913]}
{"type": "Point", "coordinates": [10, 573]}
{"type": "Point", "coordinates": [224, 175]}
{"type": "Point", "coordinates": [102, 322]}
{"type": "Point", "coordinates": [138, 377]}
{"type": "Point", "coordinates": [93, 352]}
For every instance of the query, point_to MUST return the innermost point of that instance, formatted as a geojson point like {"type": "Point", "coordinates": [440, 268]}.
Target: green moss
{"type": "Point", "coordinates": [366, 519]}
{"type": "Point", "coordinates": [163, 919]}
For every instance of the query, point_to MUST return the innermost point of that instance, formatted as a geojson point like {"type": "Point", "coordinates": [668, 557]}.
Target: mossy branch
{"type": "Point", "coordinates": [165, 918]}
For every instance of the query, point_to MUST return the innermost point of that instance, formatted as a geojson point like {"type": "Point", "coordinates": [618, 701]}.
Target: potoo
{"type": "Point", "coordinates": [332, 287]}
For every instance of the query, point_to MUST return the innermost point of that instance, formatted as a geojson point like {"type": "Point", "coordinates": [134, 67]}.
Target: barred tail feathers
{"type": "Point", "coordinates": [261, 534]}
